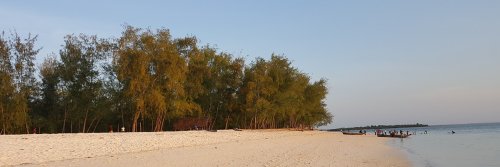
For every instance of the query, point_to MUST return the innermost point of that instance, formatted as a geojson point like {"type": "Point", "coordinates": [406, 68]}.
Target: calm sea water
{"type": "Point", "coordinates": [472, 145]}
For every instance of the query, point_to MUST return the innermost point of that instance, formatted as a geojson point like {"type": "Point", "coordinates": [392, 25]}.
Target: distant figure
{"type": "Point", "coordinates": [364, 132]}
{"type": "Point", "coordinates": [407, 132]}
{"type": "Point", "coordinates": [425, 132]}
{"type": "Point", "coordinates": [360, 131]}
{"type": "Point", "coordinates": [452, 132]}
{"type": "Point", "coordinates": [123, 129]}
{"type": "Point", "coordinates": [400, 132]}
{"type": "Point", "coordinates": [34, 130]}
{"type": "Point", "coordinates": [110, 128]}
{"type": "Point", "coordinates": [378, 131]}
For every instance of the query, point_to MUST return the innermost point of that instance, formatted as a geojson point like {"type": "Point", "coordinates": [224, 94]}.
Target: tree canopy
{"type": "Point", "coordinates": [146, 80]}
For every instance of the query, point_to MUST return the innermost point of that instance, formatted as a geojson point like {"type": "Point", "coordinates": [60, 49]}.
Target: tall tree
{"type": "Point", "coordinates": [315, 106]}
{"type": "Point", "coordinates": [278, 95]}
{"type": "Point", "coordinates": [132, 65]}
{"type": "Point", "coordinates": [197, 71]}
{"type": "Point", "coordinates": [47, 113]}
{"type": "Point", "coordinates": [152, 72]}
{"type": "Point", "coordinates": [24, 52]}
{"type": "Point", "coordinates": [6, 85]}
{"type": "Point", "coordinates": [168, 69]}
{"type": "Point", "coordinates": [257, 92]}
{"type": "Point", "coordinates": [119, 105]}
{"type": "Point", "coordinates": [80, 76]}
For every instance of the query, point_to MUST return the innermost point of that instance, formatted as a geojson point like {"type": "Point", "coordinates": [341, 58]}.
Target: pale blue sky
{"type": "Point", "coordinates": [387, 62]}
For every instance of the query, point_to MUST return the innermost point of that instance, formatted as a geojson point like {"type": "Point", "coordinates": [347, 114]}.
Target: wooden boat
{"type": "Point", "coordinates": [395, 136]}
{"type": "Point", "coordinates": [352, 133]}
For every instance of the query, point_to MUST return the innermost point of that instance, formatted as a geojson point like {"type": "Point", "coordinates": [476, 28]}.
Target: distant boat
{"type": "Point", "coordinates": [352, 133]}
{"type": "Point", "coordinates": [395, 136]}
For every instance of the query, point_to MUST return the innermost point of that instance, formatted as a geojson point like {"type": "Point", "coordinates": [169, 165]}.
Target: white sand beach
{"type": "Point", "coordinates": [199, 148]}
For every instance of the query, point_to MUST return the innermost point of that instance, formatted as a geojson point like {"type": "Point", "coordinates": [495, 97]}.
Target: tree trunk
{"type": "Point", "coordinates": [64, 121]}
{"type": "Point", "coordinates": [227, 121]}
{"type": "Point", "coordinates": [85, 120]}
{"type": "Point", "coordinates": [97, 124]}
{"type": "Point", "coordinates": [123, 120]}
{"type": "Point", "coordinates": [134, 122]}
{"type": "Point", "coordinates": [157, 124]}
{"type": "Point", "coordinates": [90, 126]}
{"type": "Point", "coordinates": [3, 122]}
{"type": "Point", "coordinates": [255, 121]}
{"type": "Point", "coordinates": [27, 127]}
{"type": "Point", "coordinates": [162, 122]}
{"type": "Point", "coordinates": [142, 124]}
{"type": "Point", "coordinates": [26, 122]}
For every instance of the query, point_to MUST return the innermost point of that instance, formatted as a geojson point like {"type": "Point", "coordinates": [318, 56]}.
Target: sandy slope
{"type": "Point", "coordinates": [199, 148]}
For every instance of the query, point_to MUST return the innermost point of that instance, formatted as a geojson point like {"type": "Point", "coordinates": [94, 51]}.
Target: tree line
{"type": "Point", "coordinates": [145, 80]}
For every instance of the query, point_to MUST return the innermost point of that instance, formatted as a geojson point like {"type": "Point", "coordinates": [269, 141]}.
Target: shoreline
{"type": "Point", "coordinates": [200, 148]}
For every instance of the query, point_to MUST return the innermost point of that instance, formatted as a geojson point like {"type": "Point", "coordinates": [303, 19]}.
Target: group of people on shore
{"type": "Point", "coordinates": [394, 132]}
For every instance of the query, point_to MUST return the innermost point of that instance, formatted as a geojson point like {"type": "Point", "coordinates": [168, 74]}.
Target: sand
{"type": "Point", "coordinates": [200, 148]}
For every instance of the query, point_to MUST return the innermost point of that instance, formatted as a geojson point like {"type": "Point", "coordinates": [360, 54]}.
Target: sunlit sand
{"type": "Point", "coordinates": [200, 148]}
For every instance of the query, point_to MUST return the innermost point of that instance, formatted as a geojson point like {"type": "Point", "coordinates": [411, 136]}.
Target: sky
{"type": "Point", "coordinates": [386, 62]}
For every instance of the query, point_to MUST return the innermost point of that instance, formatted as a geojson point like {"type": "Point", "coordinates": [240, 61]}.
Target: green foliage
{"type": "Point", "coordinates": [18, 84]}
{"type": "Point", "coordinates": [81, 86]}
{"type": "Point", "coordinates": [6, 83]}
{"type": "Point", "coordinates": [47, 110]}
{"type": "Point", "coordinates": [153, 73]}
{"type": "Point", "coordinates": [145, 81]}
{"type": "Point", "coordinates": [278, 95]}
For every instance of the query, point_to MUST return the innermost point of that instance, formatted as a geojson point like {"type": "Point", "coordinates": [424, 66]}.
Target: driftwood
{"type": "Point", "coordinates": [192, 124]}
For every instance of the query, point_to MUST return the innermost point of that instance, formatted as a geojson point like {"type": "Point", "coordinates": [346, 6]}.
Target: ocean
{"type": "Point", "coordinates": [471, 145]}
